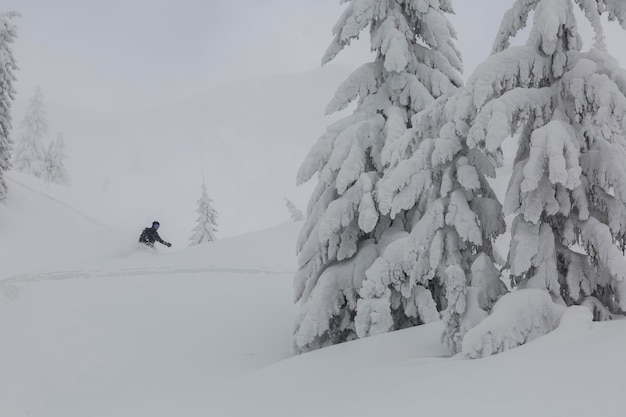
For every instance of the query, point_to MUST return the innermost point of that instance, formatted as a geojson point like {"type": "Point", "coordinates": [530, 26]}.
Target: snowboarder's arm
{"type": "Point", "coordinates": [161, 241]}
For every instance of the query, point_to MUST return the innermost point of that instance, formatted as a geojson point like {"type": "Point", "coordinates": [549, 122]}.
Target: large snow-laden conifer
{"type": "Point", "coordinates": [441, 257]}
{"type": "Point", "coordinates": [568, 187]}
{"type": "Point", "coordinates": [415, 62]}
{"type": "Point", "coordinates": [8, 66]}
{"type": "Point", "coordinates": [207, 220]}
{"type": "Point", "coordinates": [29, 152]}
{"type": "Point", "coordinates": [446, 261]}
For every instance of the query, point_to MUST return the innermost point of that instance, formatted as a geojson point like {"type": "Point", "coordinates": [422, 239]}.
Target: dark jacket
{"type": "Point", "coordinates": [149, 236]}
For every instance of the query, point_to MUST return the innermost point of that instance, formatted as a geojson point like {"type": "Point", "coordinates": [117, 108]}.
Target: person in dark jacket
{"type": "Point", "coordinates": [150, 235]}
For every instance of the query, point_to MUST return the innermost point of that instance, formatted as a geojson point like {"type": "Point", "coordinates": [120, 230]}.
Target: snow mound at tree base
{"type": "Point", "coordinates": [521, 317]}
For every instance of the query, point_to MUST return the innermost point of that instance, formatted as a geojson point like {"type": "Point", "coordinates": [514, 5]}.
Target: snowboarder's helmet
{"type": "Point", "coordinates": [155, 224]}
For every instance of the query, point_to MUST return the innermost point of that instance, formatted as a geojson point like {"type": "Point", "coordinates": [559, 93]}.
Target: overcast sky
{"type": "Point", "coordinates": [103, 52]}
{"type": "Point", "coordinates": [115, 53]}
{"type": "Point", "coordinates": [128, 53]}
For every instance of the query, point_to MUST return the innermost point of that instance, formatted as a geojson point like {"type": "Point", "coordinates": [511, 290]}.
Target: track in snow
{"type": "Point", "coordinates": [86, 274]}
{"type": "Point", "coordinates": [9, 289]}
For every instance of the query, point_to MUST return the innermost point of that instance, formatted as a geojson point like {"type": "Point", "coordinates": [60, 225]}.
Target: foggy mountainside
{"type": "Point", "coordinates": [157, 157]}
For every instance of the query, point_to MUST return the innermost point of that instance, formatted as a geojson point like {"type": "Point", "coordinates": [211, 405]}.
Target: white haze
{"type": "Point", "coordinates": [245, 138]}
{"type": "Point", "coordinates": [178, 90]}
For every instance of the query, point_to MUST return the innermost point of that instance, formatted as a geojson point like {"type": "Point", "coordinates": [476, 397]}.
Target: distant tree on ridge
{"type": "Point", "coordinates": [54, 167]}
{"type": "Point", "coordinates": [29, 152]}
{"type": "Point", "coordinates": [206, 222]}
{"type": "Point", "coordinates": [296, 213]}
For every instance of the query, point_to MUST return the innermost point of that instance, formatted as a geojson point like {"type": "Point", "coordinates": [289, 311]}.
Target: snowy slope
{"type": "Point", "coordinates": [205, 331]}
{"type": "Point", "coordinates": [120, 333]}
{"type": "Point", "coordinates": [401, 374]}
{"type": "Point", "coordinates": [44, 226]}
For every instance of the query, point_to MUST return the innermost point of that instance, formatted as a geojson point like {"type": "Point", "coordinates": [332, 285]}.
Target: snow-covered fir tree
{"type": "Point", "coordinates": [415, 62]}
{"type": "Point", "coordinates": [54, 165]}
{"type": "Point", "coordinates": [8, 66]}
{"type": "Point", "coordinates": [568, 188]}
{"type": "Point", "coordinates": [207, 220]}
{"type": "Point", "coordinates": [29, 152]}
{"type": "Point", "coordinates": [295, 213]}
{"type": "Point", "coordinates": [443, 260]}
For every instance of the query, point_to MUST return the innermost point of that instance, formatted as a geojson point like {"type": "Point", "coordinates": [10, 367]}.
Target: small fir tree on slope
{"type": "Point", "coordinates": [415, 62]}
{"type": "Point", "coordinates": [8, 66]}
{"type": "Point", "coordinates": [54, 166]}
{"type": "Point", "coordinates": [295, 213]}
{"type": "Point", "coordinates": [206, 222]}
{"type": "Point", "coordinates": [29, 152]}
{"type": "Point", "coordinates": [568, 187]}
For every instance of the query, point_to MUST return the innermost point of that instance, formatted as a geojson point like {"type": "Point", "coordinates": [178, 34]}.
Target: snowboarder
{"type": "Point", "coordinates": [150, 235]}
